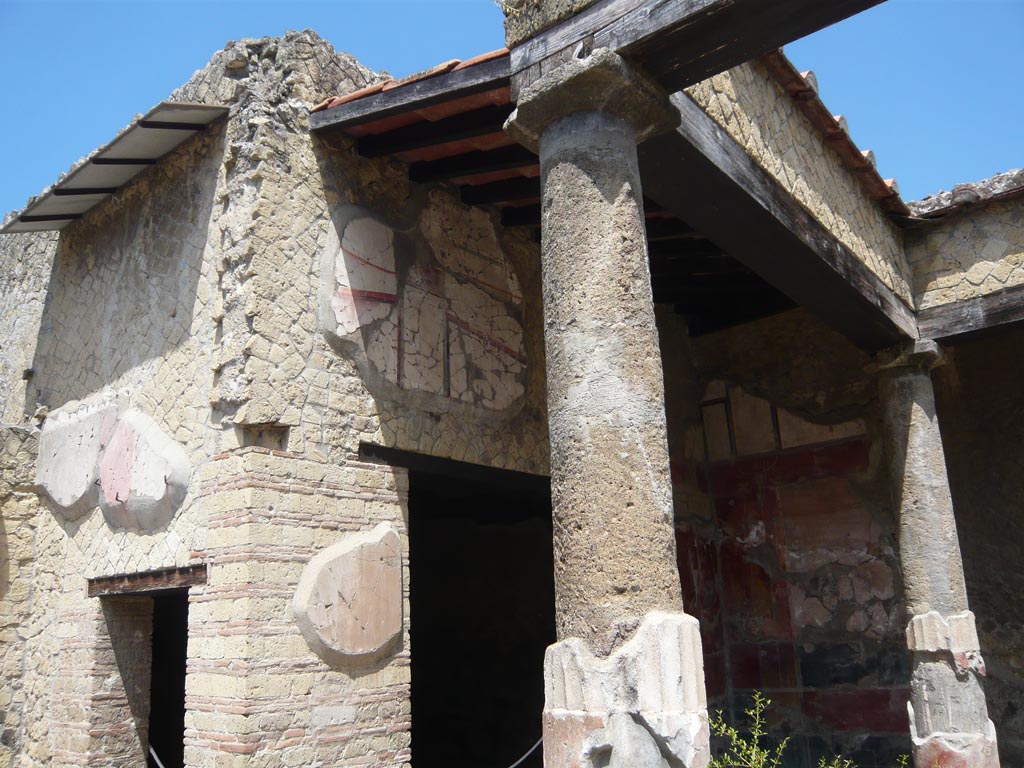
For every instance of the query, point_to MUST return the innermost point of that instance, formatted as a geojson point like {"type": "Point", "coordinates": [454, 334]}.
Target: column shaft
{"type": "Point", "coordinates": [624, 686]}
{"type": "Point", "coordinates": [948, 712]}
{"type": "Point", "coordinates": [614, 544]}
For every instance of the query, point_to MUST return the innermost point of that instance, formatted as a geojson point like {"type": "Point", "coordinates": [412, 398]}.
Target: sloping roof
{"type": "Point", "coordinates": [452, 65]}
{"type": "Point", "coordinates": [89, 181]}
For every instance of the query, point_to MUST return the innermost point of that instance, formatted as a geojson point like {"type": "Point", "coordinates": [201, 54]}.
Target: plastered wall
{"type": "Point", "coordinates": [786, 536]}
{"type": "Point", "coordinates": [758, 114]}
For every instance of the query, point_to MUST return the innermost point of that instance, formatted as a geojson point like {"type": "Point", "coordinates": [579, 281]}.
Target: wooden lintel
{"type": "Point", "coordinates": [508, 191]}
{"type": "Point", "coordinates": [971, 317]}
{"type": "Point", "coordinates": [456, 470]}
{"type": "Point", "coordinates": [467, 125]}
{"type": "Point", "coordinates": [681, 42]}
{"type": "Point", "coordinates": [471, 163]}
{"type": "Point", "coordinates": [703, 176]}
{"type": "Point", "coordinates": [413, 96]}
{"type": "Point", "coordinates": [521, 216]}
{"type": "Point", "coordinates": [149, 581]}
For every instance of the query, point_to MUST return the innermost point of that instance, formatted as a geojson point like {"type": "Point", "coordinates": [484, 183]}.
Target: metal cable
{"type": "Point", "coordinates": [529, 752]}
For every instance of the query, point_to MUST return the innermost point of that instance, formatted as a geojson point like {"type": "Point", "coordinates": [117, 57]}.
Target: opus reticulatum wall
{"type": "Point", "coordinates": [253, 308]}
{"type": "Point", "coordinates": [763, 118]}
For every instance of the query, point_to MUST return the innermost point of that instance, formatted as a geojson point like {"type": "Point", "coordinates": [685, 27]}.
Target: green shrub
{"type": "Point", "coordinates": [745, 750]}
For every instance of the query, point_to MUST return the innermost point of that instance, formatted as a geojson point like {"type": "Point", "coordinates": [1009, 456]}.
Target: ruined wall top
{"type": "Point", "coordinates": [299, 66]}
{"type": "Point", "coordinates": [526, 18]}
{"type": "Point", "coordinates": [965, 195]}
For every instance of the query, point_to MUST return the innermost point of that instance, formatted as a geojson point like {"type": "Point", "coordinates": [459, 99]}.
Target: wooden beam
{"type": "Point", "coordinates": [150, 581]}
{"type": "Point", "coordinates": [970, 317]}
{"type": "Point", "coordinates": [471, 163]}
{"type": "Point", "coordinates": [521, 216]}
{"type": "Point", "coordinates": [455, 470]}
{"type": "Point", "coordinates": [413, 96]}
{"type": "Point", "coordinates": [468, 125]}
{"type": "Point", "coordinates": [681, 42]}
{"type": "Point", "coordinates": [529, 216]}
{"type": "Point", "coordinates": [509, 191]}
{"type": "Point", "coordinates": [703, 176]}
{"type": "Point", "coordinates": [670, 229]}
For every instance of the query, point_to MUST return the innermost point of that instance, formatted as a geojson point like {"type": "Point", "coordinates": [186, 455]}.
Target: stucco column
{"type": "Point", "coordinates": [624, 685]}
{"type": "Point", "coordinates": [948, 716]}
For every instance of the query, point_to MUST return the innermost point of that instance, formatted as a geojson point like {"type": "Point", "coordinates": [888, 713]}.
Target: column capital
{"type": "Point", "coordinates": [601, 82]}
{"type": "Point", "coordinates": [917, 355]}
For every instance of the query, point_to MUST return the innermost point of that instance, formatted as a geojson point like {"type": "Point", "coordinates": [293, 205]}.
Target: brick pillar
{"type": "Point", "coordinates": [625, 683]}
{"type": "Point", "coordinates": [948, 715]}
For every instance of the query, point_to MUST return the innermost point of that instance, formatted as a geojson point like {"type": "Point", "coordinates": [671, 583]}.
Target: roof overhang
{"type": "Point", "coordinates": [113, 165]}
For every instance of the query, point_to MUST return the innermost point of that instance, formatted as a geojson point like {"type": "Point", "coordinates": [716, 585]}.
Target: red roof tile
{"type": "Point", "coordinates": [483, 57]}
{"type": "Point", "coordinates": [440, 69]}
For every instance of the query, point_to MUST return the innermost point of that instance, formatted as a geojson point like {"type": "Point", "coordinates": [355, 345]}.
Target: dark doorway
{"type": "Point", "coordinates": [482, 614]}
{"type": "Point", "coordinates": [167, 688]}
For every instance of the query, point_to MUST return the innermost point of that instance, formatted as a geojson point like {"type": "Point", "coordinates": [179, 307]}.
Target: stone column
{"type": "Point", "coordinates": [625, 683]}
{"type": "Point", "coordinates": [949, 720]}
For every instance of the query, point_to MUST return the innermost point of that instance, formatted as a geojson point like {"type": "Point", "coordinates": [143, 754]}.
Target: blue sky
{"type": "Point", "coordinates": [933, 86]}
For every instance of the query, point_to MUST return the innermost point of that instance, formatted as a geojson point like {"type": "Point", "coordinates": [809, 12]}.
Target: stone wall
{"type": "Point", "coordinates": [25, 262]}
{"type": "Point", "coordinates": [19, 508]}
{"type": "Point", "coordinates": [981, 414]}
{"type": "Point", "coordinates": [755, 110]}
{"type": "Point", "coordinates": [206, 302]}
{"type": "Point", "coordinates": [526, 18]}
{"type": "Point", "coordinates": [968, 254]}
{"type": "Point", "coordinates": [786, 536]}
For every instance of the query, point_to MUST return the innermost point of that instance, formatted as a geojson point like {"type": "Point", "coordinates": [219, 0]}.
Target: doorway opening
{"type": "Point", "coordinates": [167, 683]}
{"type": "Point", "coordinates": [482, 614]}
{"type": "Point", "coordinates": [147, 620]}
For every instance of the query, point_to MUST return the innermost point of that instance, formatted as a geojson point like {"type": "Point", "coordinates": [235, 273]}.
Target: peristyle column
{"type": "Point", "coordinates": [624, 685]}
{"type": "Point", "coordinates": [949, 720]}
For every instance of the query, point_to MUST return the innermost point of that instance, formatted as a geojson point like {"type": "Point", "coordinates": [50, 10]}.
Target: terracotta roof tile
{"type": "Point", "coordinates": [434, 71]}
{"type": "Point", "coordinates": [452, 65]}
{"type": "Point", "coordinates": [483, 57]}
{"type": "Point", "coordinates": [803, 89]}
{"type": "Point", "coordinates": [335, 101]}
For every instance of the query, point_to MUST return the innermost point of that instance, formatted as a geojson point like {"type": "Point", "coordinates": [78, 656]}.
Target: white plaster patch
{"type": "Point", "coordinates": [96, 453]}
{"type": "Point", "coordinates": [439, 316]}
{"type": "Point", "coordinates": [366, 285]}
{"type": "Point", "coordinates": [143, 475]}
{"type": "Point", "coordinates": [348, 604]}
{"type": "Point", "coordinates": [70, 444]}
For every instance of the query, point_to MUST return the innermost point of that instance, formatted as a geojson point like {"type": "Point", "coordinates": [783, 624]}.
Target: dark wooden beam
{"type": "Point", "coordinates": [658, 229]}
{"type": "Point", "coordinates": [123, 161]}
{"type": "Point", "coordinates": [471, 163]}
{"type": "Point", "coordinates": [703, 176]}
{"type": "Point", "coordinates": [74, 191]}
{"type": "Point", "coordinates": [671, 229]}
{"type": "Point", "coordinates": [454, 470]}
{"type": "Point", "coordinates": [29, 219]}
{"type": "Point", "coordinates": [681, 42]}
{"type": "Point", "coordinates": [467, 125]}
{"type": "Point", "coordinates": [971, 317]}
{"type": "Point", "coordinates": [521, 216]}
{"type": "Point", "coordinates": [165, 125]}
{"type": "Point", "coordinates": [509, 191]}
{"type": "Point", "coordinates": [413, 96]}
{"type": "Point", "coordinates": [150, 581]}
